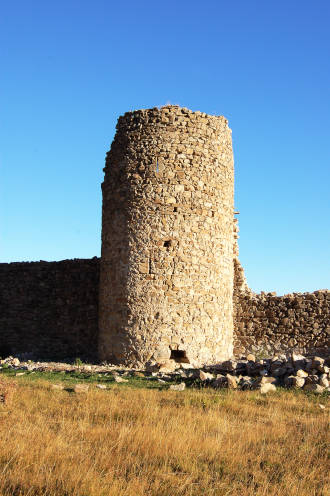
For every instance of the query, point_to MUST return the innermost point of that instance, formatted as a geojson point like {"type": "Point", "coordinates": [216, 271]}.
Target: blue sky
{"type": "Point", "coordinates": [69, 68]}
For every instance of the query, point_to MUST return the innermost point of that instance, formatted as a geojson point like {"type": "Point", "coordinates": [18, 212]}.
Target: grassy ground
{"type": "Point", "coordinates": [133, 441]}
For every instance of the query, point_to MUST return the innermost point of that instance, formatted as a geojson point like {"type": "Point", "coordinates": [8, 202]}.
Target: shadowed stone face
{"type": "Point", "coordinates": [167, 239]}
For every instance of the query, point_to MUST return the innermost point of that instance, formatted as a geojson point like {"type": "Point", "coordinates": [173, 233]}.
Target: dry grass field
{"type": "Point", "coordinates": [133, 442]}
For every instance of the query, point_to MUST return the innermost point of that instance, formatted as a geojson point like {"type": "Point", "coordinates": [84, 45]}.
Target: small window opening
{"type": "Point", "coordinates": [175, 209]}
{"type": "Point", "coordinates": [167, 243]}
{"type": "Point", "coordinates": [179, 356]}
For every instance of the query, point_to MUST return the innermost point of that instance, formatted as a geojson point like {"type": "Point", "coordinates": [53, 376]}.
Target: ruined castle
{"type": "Point", "coordinates": [169, 285]}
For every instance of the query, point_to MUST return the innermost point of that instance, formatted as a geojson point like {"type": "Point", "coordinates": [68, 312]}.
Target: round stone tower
{"type": "Point", "coordinates": [166, 287]}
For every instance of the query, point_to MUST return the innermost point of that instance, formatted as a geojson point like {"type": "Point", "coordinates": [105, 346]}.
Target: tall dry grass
{"type": "Point", "coordinates": [144, 442]}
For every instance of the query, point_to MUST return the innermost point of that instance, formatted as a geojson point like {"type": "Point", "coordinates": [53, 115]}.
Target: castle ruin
{"type": "Point", "coordinates": [169, 284]}
{"type": "Point", "coordinates": [166, 281]}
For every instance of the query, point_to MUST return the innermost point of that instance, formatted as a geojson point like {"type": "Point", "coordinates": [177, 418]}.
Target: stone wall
{"type": "Point", "coordinates": [170, 283]}
{"type": "Point", "coordinates": [167, 239]}
{"type": "Point", "coordinates": [266, 323]}
{"type": "Point", "coordinates": [49, 309]}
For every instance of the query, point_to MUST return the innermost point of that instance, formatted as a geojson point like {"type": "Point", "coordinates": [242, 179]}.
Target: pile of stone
{"type": "Point", "coordinates": [293, 371]}
{"type": "Point", "coordinates": [246, 373]}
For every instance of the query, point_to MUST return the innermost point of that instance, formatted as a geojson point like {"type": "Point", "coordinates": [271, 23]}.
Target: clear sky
{"type": "Point", "coordinates": [69, 68]}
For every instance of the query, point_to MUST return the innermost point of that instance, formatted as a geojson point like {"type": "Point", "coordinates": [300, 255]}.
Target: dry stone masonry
{"type": "Point", "coordinates": [167, 239]}
{"type": "Point", "coordinates": [49, 309]}
{"type": "Point", "coordinates": [169, 290]}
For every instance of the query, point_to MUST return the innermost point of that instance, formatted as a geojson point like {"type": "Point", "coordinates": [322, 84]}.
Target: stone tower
{"type": "Point", "coordinates": [166, 287]}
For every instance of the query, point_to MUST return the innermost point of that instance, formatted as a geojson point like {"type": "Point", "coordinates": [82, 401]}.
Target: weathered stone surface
{"type": "Point", "coordinates": [167, 239]}
{"type": "Point", "coordinates": [298, 381]}
{"type": "Point", "coordinates": [178, 387]}
{"type": "Point", "coordinates": [205, 376]}
{"type": "Point", "coordinates": [49, 309]}
{"type": "Point", "coordinates": [57, 387]}
{"type": "Point", "coordinates": [119, 379]}
{"type": "Point", "coordinates": [265, 322]}
{"type": "Point", "coordinates": [267, 388]}
{"type": "Point", "coordinates": [301, 373]}
{"type": "Point", "coordinates": [232, 381]}
{"type": "Point", "coordinates": [294, 381]}
{"type": "Point", "coordinates": [81, 388]}
{"type": "Point", "coordinates": [268, 380]}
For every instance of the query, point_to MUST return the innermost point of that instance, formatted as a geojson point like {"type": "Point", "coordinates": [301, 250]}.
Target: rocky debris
{"type": "Point", "coordinates": [318, 363]}
{"type": "Point", "coordinates": [81, 388]}
{"type": "Point", "coordinates": [119, 379]}
{"type": "Point", "coordinates": [178, 387]}
{"type": "Point", "coordinates": [231, 381]}
{"type": "Point", "coordinates": [324, 380]}
{"type": "Point", "coordinates": [301, 373]}
{"type": "Point", "coordinates": [57, 387]}
{"type": "Point", "coordinates": [101, 386]}
{"type": "Point", "coordinates": [205, 376]}
{"type": "Point", "coordinates": [289, 371]}
{"type": "Point", "coordinates": [294, 381]}
{"type": "Point", "coordinates": [268, 380]}
{"type": "Point", "coordinates": [267, 388]}
{"type": "Point", "coordinates": [138, 374]}
{"type": "Point", "coordinates": [316, 388]}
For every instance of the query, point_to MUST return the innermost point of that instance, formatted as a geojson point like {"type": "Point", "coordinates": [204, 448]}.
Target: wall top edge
{"type": "Point", "coordinates": [45, 262]}
{"type": "Point", "coordinates": [169, 110]}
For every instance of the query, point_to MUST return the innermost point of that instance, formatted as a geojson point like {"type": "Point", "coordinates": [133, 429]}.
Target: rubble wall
{"type": "Point", "coordinates": [265, 323]}
{"type": "Point", "coordinates": [167, 239]}
{"type": "Point", "coordinates": [49, 309]}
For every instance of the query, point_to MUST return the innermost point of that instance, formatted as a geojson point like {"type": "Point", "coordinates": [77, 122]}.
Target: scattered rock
{"type": "Point", "coordinates": [298, 361]}
{"type": "Point", "coordinates": [138, 374]}
{"type": "Point", "coordinates": [324, 381]}
{"type": "Point", "coordinates": [80, 388]}
{"type": "Point", "coordinates": [268, 380]}
{"type": "Point", "coordinates": [267, 388]}
{"type": "Point", "coordinates": [101, 386]}
{"type": "Point", "coordinates": [232, 381]}
{"type": "Point", "coordinates": [57, 387]}
{"type": "Point", "coordinates": [119, 379]}
{"type": "Point", "coordinates": [312, 379]}
{"type": "Point", "coordinates": [167, 366]}
{"type": "Point", "coordinates": [178, 387]}
{"type": "Point", "coordinates": [15, 362]}
{"type": "Point", "coordinates": [19, 373]}
{"type": "Point", "coordinates": [301, 373]}
{"type": "Point", "coordinates": [251, 357]}
{"type": "Point", "coordinates": [316, 388]}
{"type": "Point", "coordinates": [298, 382]}
{"type": "Point", "coordinates": [205, 376]}
{"type": "Point", "coordinates": [318, 362]}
